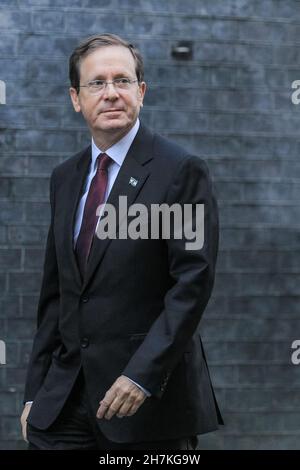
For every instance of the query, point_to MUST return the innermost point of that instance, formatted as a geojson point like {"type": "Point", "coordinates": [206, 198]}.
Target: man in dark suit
{"type": "Point", "coordinates": [117, 359]}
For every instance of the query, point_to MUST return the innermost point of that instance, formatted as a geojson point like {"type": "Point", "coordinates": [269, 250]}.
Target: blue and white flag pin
{"type": "Point", "coordinates": [133, 181]}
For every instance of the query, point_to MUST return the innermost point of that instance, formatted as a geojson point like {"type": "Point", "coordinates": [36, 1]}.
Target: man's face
{"type": "Point", "coordinates": [112, 110]}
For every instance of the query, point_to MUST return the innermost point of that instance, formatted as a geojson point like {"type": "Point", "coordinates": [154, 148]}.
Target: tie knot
{"type": "Point", "coordinates": [103, 161]}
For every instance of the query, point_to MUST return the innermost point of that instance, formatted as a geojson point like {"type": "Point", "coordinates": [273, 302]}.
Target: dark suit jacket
{"type": "Point", "coordinates": [137, 310]}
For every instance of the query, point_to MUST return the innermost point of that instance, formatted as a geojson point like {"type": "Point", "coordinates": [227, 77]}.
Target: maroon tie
{"type": "Point", "coordinates": [94, 198]}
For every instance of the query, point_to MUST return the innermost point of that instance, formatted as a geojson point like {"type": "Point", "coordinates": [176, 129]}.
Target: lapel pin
{"type": "Point", "coordinates": [133, 181]}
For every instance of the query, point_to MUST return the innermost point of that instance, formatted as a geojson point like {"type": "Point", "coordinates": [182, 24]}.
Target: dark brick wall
{"type": "Point", "coordinates": [231, 105]}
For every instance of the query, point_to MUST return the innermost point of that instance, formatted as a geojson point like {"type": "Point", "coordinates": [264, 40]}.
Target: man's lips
{"type": "Point", "coordinates": [112, 110]}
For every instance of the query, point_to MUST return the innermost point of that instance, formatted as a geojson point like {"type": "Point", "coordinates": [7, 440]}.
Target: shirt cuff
{"type": "Point", "coordinates": [142, 388]}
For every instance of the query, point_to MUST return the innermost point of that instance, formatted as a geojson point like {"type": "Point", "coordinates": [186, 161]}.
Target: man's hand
{"type": "Point", "coordinates": [123, 399]}
{"type": "Point", "coordinates": [23, 420]}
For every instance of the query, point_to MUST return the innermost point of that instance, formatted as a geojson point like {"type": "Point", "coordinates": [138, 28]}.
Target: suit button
{"type": "Point", "coordinates": [85, 299]}
{"type": "Point", "coordinates": [84, 342]}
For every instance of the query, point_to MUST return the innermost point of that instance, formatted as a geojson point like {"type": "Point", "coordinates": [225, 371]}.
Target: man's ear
{"type": "Point", "coordinates": [75, 99]}
{"type": "Point", "coordinates": [142, 91]}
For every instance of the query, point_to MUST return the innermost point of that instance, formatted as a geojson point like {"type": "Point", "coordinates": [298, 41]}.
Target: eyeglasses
{"type": "Point", "coordinates": [96, 87]}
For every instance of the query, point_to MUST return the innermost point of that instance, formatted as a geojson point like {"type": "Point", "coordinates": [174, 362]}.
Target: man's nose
{"type": "Point", "coordinates": [110, 91]}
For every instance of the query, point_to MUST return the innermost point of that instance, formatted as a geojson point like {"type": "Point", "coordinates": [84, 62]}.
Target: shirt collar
{"type": "Point", "coordinates": [119, 150]}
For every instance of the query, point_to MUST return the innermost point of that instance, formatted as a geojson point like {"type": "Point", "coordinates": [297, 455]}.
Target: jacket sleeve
{"type": "Point", "coordinates": [47, 335]}
{"type": "Point", "coordinates": [192, 272]}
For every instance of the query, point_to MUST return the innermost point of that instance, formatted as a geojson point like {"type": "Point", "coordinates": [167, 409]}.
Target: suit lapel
{"type": "Point", "coordinates": [73, 191]}
{"type": "Point", "coordinates": [138, 155]}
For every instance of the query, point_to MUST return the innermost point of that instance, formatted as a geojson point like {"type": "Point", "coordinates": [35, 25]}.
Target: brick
{"type": "Point", "coordinates": [7, 403]}
{"type": "Point", "coordinates": [11, 427]}
{"type": "Point", "coordinates": [13, 117]}
{"type": "Point", "coordinates": [263, 31]}
{"type": "Point", "coordinates": [26, 189]}
{"type": "Point", "coordinates": [10, 69]}
{"type": "Point", "coordinates": [210, 52]}
{"type": "Point", "coordinates": [216, 8]}
{"type": "Point", "coordinates": [147, 7]}
{"type": "Point", "coordinates": [8, 44]}
{"type": "Point", "coordinates": [27, 234]}
{"type": "Point", "coordinates": [251, 329]}
{"type": "Point", "coordinates": [260, 442]}
{"type": "Point", "coordinates": [34, 258]}
{"type": "Point", "coordinates": [266, 306]}
{"type": "Point", "coordinates": [264, 422]}
{"type": "Point", "coordinates": [224, 30]}
{"type": "Point", "coordinates": [156, 95]}
{"type": "Point", "coordinates": [10, 3]}
{"type": "Point", "coordinates": [40, 45]}
{"type": "Point", "coordinates": [221, 122]}
{"type": "Point", "coordinates": [211, 441]}
{"type": "Point", "coordinates": [49, 69]}
{"type": "Point", "coordinates": [71, 120]}
{"type": "Point", "coordinates": [37, 212]}
{"type": "Point", "coordinates": [238, 100]}
{"type": "Point", "coordinates": [155, 49]}
{"type": "Point", "coordinates": [29, 92]}
{"type": "Point", "coordinates": [25, 350]}
{"type": "Point", "coordinates": [247, 352]}
{"type": "Point", "coordinates": [34, 141]}
{"type": "Point", "coordinates": [10, 212]}
{"type": "Point", "coordinates": [258, 400]}
{"type": "Point", "coordinates": [178, 75]}
{"type": "Point", "coordinates": [267, 9]}
{"type": "Point", "coordinates": [15, 377]}
{"type": "Point", "coordinates": [256, 169]}
{"type": "Point", "coordinates": [9, 306]}
{"type": "Point", "coordinates": [49, 3]}
{"type": "Point", "coordinates": [47, 21]}
{"type": "Point", "coordinates": [89, 23]}
{"type": "Point", "coordinates": [10, 165]}
{"type": "Point", "coordinates": [138, 24]}
{"type": "Point", "coordinates": [30, 305]}
{"type": "Point", "coordinates": [20, 328]}
{"type": "Point", "coordinates": [173, 120]}
{"type": "Point", "coordinates": [12, 347]}
{"type": "Point", "coordinates": [251, 284]}
{"type": "Point", "coordinates": [10, 259]}
{"type": "Point", "coordinates": [286, 55]}
{"type": "Point", "coordinates": [41, 165]}
{"type": "Point", "coordinates": [255, 54]}
{"type": "Point", "coordinates": [5, 188]}
{"type": "Point", "coordinates": [224, 376]}
{"type": "Point", "coordinates": [18, 20]}
{"type": "Point", "coordinates": [250, 214]}
{"type": "Point", "coordinates": [269, 375]}
{"type": "Point", "coordinates": [13, 445]}
{"type": "Point", "coordinates": [2, 378]}
{"type": "Point", "coordinates": [265, 261]}
{"type": "Point", "coordinates": [185, 26]}
{"type": "Point", "coordinates": [3, 235]}
{"type": "Point", "coordinates": [105, 4]}
{"type": "Point", "coordinates": [24, 282]}
{"type": "Point", "coordinates": [256, 191]}
{"type": "Point", "coordinates": [222, 76]}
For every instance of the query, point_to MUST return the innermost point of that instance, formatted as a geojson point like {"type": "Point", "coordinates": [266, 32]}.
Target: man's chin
{"type": "Point", "coordinates": [113, 124]}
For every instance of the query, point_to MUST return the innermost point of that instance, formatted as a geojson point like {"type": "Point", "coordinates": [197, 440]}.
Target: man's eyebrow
{"type": "Point", "coordinates": [117, 75]}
